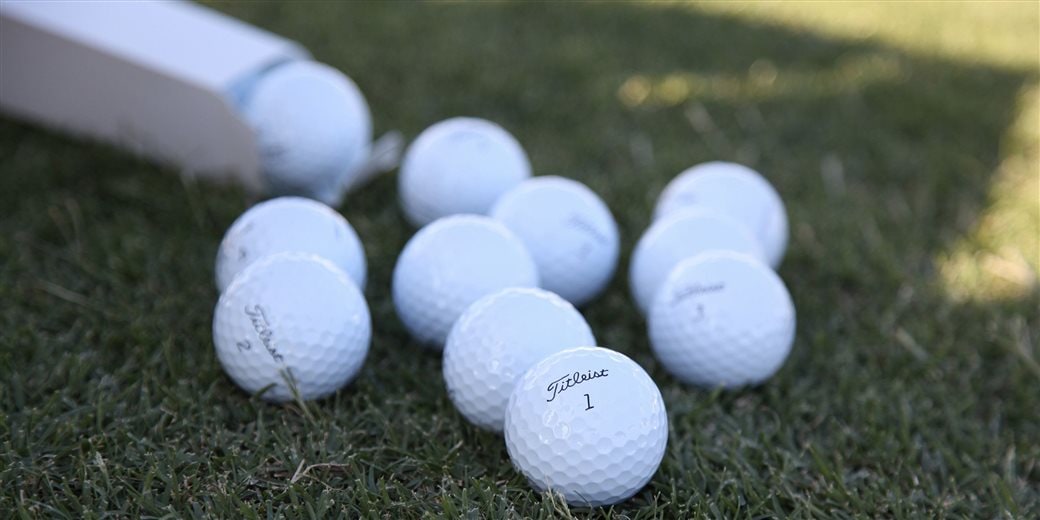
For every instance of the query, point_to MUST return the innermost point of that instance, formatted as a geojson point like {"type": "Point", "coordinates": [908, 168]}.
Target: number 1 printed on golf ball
{"type": "Point", "coordinates": [587, 423]}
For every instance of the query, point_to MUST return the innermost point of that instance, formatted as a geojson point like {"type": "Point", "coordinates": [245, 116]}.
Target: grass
{"type": "Point", "coordinates": [907, 159]}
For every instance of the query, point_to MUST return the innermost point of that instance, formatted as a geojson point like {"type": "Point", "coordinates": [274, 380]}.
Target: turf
{"type": "Point", "coordinates": [906, 154]}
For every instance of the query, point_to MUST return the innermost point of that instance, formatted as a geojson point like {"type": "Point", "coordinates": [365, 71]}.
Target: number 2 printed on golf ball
{"type": "Point", "coordinates": [263, 330]}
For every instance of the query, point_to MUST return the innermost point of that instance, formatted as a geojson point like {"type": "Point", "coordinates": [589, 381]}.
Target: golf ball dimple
{"type": "Point", "coordinates": [294, 324]}
{"type": "Point", "coordinates": [312, 126]}
{"type": "Point", "coordinates": [450, 264]}
{"type": "Point", "coordinates": [290, 224]}
{"type": "Point", "coordinates": [497, 339]}
{"type": "Point", "coordinates": [459, 165]}
{"type": "Point", "coordinates": [588, 423]}
{"type": "Point", "coordinates": [675, 238]}
{"type": "Point", "coordinates": [722, 319]}
{"type": "Point", "coordinates": [737, 191]}
{"type": "Point", "coordinates": [569, 231]}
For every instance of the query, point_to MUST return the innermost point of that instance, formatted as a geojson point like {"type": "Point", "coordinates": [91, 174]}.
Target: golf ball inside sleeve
{"type": "Point", "coordinates": [312, 126]}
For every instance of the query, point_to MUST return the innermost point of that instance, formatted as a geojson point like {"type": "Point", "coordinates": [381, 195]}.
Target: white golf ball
{"type": "Point", "coordinates": [737, 191]}
{"type": "Point", "coordinates": [588, 423]}
{"type": "Point", "coordinates": [497, 339]}
{"type": "Point", "coordinates": [675, 238]}
{"type": "Point", "coordinates": [459, 165]}
{"type": "Point", "coordinates": [722, 319]}
{"type": "Point", "coordinates": [290, 224]}
{"type": "Point", "coordinates": [292, 323]}
{"type": "Point", "coordinates": [450, 264]}
{"type": "Point", "coordinates": [312, 126]}
{"type": "Point", "coordinates": [569, 231]}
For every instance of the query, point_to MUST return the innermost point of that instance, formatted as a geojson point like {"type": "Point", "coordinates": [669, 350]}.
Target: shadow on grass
{"type": "Point", "coordinates": [896, 398]}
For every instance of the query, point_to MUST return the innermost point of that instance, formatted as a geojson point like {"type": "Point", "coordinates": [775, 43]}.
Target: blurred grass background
{"type": "Point", "coordinates": [903, 137]}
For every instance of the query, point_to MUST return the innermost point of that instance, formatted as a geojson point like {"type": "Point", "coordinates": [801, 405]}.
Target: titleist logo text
{"type": "Point", "coordinates": [263, 331]}
{"type": "Point", "coordinates": [696, 289]}
{"type": "Point", "coordinates": [561, 385]}
{"type": "Point", "coordinates": [587, 228]}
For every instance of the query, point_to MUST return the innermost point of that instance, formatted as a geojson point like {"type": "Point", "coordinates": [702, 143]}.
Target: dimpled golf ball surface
{"type": "Point", "coordinates": [459, 165]}
{"type": "Point", "coordinates": [450, 264]}
{"type": "Point", "coordinates": [312, 127]}
{"type": "Point", "coordinates": [738, 191]}
{"type": "Point", "coordinates": [569, 231]}
{"type": "Point", "coordinates": [291, 318]}
{"type": "Point", "coordinates": [588, 423]}
{"type": "Point", "coordinates": [675, 238]}
{"type": "Point", "coordinates": [497, 339]}
{"type": "Point", "coordinates": [290, 224]}
{"type": "Point", "coordinates": [722, 320]}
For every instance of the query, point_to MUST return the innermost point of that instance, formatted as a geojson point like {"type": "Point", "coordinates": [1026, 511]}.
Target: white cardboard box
{"type": "Point", "coordinates": [157, 78]}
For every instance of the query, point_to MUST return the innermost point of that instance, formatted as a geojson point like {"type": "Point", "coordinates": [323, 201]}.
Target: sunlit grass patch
{"type": "Point", "coordinates": [1000, 258]}
{"type": "Point", "coordinates": [763, 81]}
{"type": "Point", "coordinates": [998, 33]}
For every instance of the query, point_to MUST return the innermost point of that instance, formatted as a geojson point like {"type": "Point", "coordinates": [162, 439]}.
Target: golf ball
{"type": "Point", "coordinates": [312, 127]}
{"type": "Point", "coordinates": [737, 191]}
{"type": "Point", "coordinates": [450, 264]}
{"type": "Point", "coordinates": [459, 165]}
{"type": "Point", "coordinates": [569, 232]}
{"type": "Point", "coordinates": [497, 339]}
{"type": "Point", "coordinates": [588, 423]}
{"type": "Point", "coordinates": [290, 224]}
{"type": "Point", "coordinates": [722, 319]}
{"type": "Point", "coordinates": [293, 324]}
{"type": "Point", "coordinates": [672, 239]}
